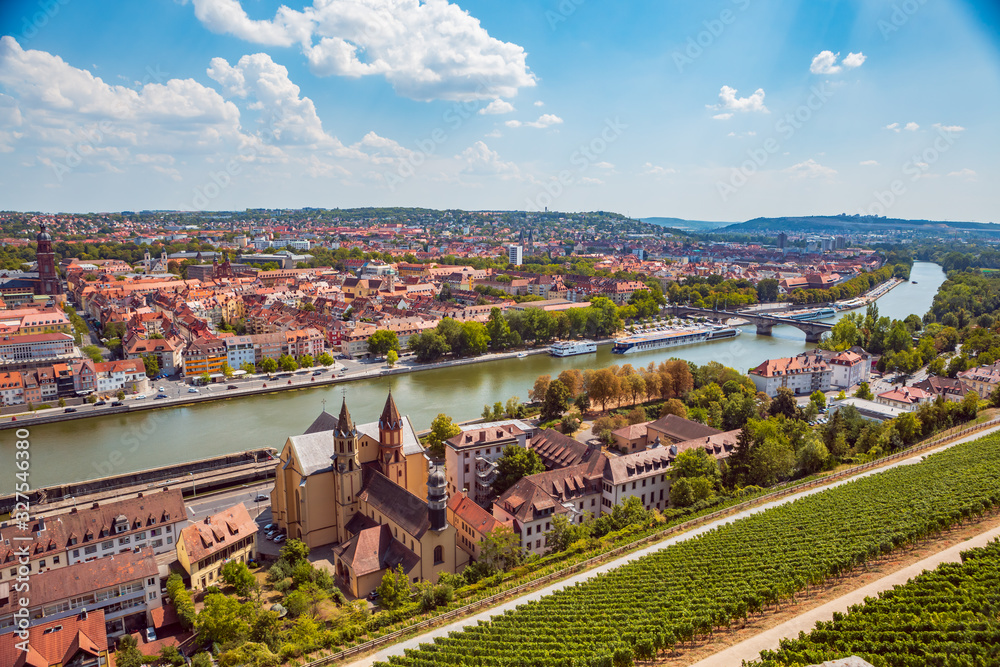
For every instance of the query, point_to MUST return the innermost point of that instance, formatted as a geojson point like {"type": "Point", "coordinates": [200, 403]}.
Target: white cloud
{"type": "Point", "coordinates": [539, 103]}
{"type": "Point", "coordinates": [893, 126]}
{"type": "Point", "coordinates": [869, 163]}
{"type": "Point", "coordinates": [911, 127]}
{"type": "Point", "coordinates": [853, 60]}
{"type": "Point", "coordinates": [729, 102]}
{"type": "Point", "coordinates": [480, 160]}
{"type": "Point", "coordinates": [427, 50]}
{"type": "Point", "coordinates": [493, 134]}
{"type": "Point", "coordinates": [825, 62]}
{"type": "Point", "coordinates": [810, 169]}
{"type": "Point", "coordinates": [496, 107]}
{"type": "Point", "coordinates": [651, 169]}
{"type": "Point", "coordinates": [967, 174]}
{"type": "Point", "coordinates": [545, 120]}
{"type": "Point", "coordinates": [587, 180]}
{"type": "Point", "coordinates": [604, 165]}
{"type": "Point", "coordinates": [722, 116]}
{"type": "Point", "coordinates": [949, 128]}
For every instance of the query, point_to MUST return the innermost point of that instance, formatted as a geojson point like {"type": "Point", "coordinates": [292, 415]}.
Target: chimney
{"type": "Point", "coordinates": [140, 495]}
{"type": "Point", "coordinates": [73, 511]}
{"type": "Point", "coordinates": [94, 506]}
{"type": "Point", "coordinates": [83, 614]}
{"type": "Point", "coordinates": [208, 520]}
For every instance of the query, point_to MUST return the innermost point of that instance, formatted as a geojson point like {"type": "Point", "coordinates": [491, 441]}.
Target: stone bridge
{"type": "Point", "coordinates": [813, 330]}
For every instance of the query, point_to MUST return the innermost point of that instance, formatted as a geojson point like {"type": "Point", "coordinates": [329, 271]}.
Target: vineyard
{"type": "Point", "coordinates": [693, 588]}
{"type": "Point", "coordinates": [944, 617]}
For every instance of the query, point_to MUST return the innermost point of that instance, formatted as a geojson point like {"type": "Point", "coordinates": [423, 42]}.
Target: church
{"type": "Point", "coordinates": [365, 489]}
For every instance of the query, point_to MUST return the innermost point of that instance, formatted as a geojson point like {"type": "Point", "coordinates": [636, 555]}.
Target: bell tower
{"type": "Point", "coordinates": [347, 470]}
{"type": "Point", "coordinates": [48, 280]}
{"type": "Point", "coordinates": [390, 443]}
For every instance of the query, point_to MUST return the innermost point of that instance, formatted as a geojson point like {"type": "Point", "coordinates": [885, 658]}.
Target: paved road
{"type": "Point", "coordinates": [769, 639]}
{"type": "Point", "coordinates": [413, 642]}
{"type": "Point", "coordinates": [199, 508]}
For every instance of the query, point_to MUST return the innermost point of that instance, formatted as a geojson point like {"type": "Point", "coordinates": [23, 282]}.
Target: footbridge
{"type": "Point", "coordinates": [813, 330]}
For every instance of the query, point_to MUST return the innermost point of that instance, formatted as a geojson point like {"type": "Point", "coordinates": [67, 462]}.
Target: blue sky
{"type": "Point", "coordinates": [715, 110]}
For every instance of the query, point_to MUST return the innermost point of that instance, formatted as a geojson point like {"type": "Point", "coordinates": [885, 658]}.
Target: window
{"type": "Point", "coordinates": [142, 535]}
{"type": "Point", "coordinates": [76, 553]}
{"type": "Point", "coordinates": [124, 540]}
{"type": "Point", "coordinates": [644, 482]}
{"type": "Point", "coordinates": [529, 530]}
{"type": "Point", "coordinates": [538, 544]}
{"type": "Point", "coordinates": [152, 596]}
{"type": "Point", "coordinates": [155, 532]}
{"type": "Point", "coordinates": [108, 545]}
{"type": "Point", "coordinates": [150, 581]}
{"type": "Point", "coordinates": [169, 529]}
{"type": "Point", "coordinates": [55, 560]}
{"type": "Point", "coordinates": [438, 555]}
{"type": "Point", "coordinates": [41, 563]}
{"type": "Point", "coordinates": [548, 526]}
{"type": "Point", "coordinates": [466, 468]}
{"type": "Point", "coordinates": [88, 551]}
{"type": "Point", "coordinates": [633, 486]}
{"type": "Point", "coordinates": [170, 540]}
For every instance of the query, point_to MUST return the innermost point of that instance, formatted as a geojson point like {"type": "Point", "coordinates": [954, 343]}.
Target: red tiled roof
{"type": "Point", "coordinates": [56, 642]}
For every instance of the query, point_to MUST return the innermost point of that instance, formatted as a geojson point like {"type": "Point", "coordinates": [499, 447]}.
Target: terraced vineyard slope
{"type": "Point", "coordinates": [948, 616]}
{"type": "Point", "coordinates": [705, 583]}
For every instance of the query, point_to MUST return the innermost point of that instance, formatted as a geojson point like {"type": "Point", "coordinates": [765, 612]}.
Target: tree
{"type": "Point", "coordinates": [605, 387]}
{"type": "Point", "coordinates": [499, 332]}
{"type": "Point", "coordinates": [767, 290]}
{"type": "Point", "coordinates": [818, 398]}
{"type": "Point", "coordinates": [813, 456]}
{"type": "Point", "coordinates": [294, 552]}
{"type": "Point", "coordinates": [307, 361]}
{"type": "Point", "coordinates": [383, 340]}
{"type": "Point", "coordinates": [556, 401]}
{"type": "Point", "coordinates": [222, 620]}
{"type": "Point", "coordinates": [500, 549]}
{"type": "Point", "coordinates": [864, 391]}
{"type": "Point", "coordinates": [472, 340]}
{"type": "Point", "coordinates": [269, 365]}
{"type": "Point", "coordinates": [784, 404]}
{"type": "Point", "coordinates": [429, 346]}
{"type": "Point", "coordinates": [248, 368]}
{"type": "Point", "coordinates": [673, 406]}
{"type": "Point", "coordinates": [572, 379]}
{"type": "Point", "coordinates": [394, 589]}
{"type": "Point", "coordinates": [227, 370]}
{"type": "Point", "coordinates": [151, 364]}
{"type": "Point", "coordinates": [564, 533]}
{"type": "Point", "coordinates": [62, 402]}
{"type": "Point", "coordinates": [515, 463]}
{"type": "Point", "coordinates": [287, 363]}
{"type": "Point", "coordinates": [442, 428]}
{"type": "Point", "coordinates": [570, 423]}
{"type": "Point", "coordinates": [537, 393]}
{"type": "Point", "coordinates": [772, 461]}
{"type": "Point", "coordinates": [391, 357]}
{"type": "Point", "coordinates": [93, 352]}
{"type": "Point", "coordinates": [239, 576]}
{"type": "Point", "coordinates": [128, 653]}
{"type": "Point", "coordinates": [325, 359]}
{"type": "Point", "coordinates": [513, 408]}
{"type": "Point", "coordinates": [120, 395]}
{"type": "Point", "coordinates": [695, 462]}
{"type": "Point", "coordinates": [206, 377]}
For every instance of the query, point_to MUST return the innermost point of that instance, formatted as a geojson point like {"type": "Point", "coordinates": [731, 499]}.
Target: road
{"type": "Point", "coordinates": [199, 508]}
{"type": "Point", "coordinates": [414, 642]}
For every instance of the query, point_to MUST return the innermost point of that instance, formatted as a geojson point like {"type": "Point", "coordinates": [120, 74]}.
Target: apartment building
{"type": "Point", "coordinates": [204, 547]}
{"type": "Point", "coordinates": [470, 457]}
{"type": "Point", "coordinates": [204, 355]}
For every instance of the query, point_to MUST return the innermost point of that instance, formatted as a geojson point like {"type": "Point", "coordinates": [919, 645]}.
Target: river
{"type": "Point", "coordinates": [97, 447]}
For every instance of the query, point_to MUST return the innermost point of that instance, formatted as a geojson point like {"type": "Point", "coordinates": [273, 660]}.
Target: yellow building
{"type": "Point", "coordinates": [318, 478]}
{"type": "Point", "coordinates": [204, 547]}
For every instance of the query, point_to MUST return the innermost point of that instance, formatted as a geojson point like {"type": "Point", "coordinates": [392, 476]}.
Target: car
{"type": "Point", "coordinates": [271, 533]}
{"type": "Point", "coordinates": [268, 526]}
{"type": "Point", "coordinates": [117, 404]}
{"type": "Point", "coordinates": [373, 595]}
{"type": "Point", "coordinates": [140, 397]}
{"type": "Point", "coordinates": [161, 389]}
{"type": "Point", "coordinates": [319, 372]}
{"type": "Point", "coordinates": [262, 497]}
{"type": "Point", "coordinates": [161, 396]}
{"type": "Point", "coordinates": [192, 390]}
{"type": "Point", "coordinates": [278, 539]}
{"type": "Point", "coordinates": [100, 402]}
{"type": "Point", "coordinates": [150, 635]}
{"type": "Point", "coordinates": [68, 410]}
{"type": "Point", "coordinates": [231, 386]}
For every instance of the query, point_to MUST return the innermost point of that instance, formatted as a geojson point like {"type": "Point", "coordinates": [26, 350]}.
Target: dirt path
{"type": "Point", "coordinates": [764, 632]}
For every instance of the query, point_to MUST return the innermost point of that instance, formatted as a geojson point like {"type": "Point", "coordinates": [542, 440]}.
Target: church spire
{"type": "Point", "coordinates": [345, 427]}
{"type": "Point", "coordinates": [390, 419]}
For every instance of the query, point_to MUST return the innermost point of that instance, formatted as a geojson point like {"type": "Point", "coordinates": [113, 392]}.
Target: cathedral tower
{"type": "Point", "coordinates": [48, 279]}
{"type": "Point", "coordinates": [390, 447]}
{"type": "Point", "coordinates": [347, 469]}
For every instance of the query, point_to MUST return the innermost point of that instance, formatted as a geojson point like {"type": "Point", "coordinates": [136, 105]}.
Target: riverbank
{"type": "Point", "coordinates": [871, 295]}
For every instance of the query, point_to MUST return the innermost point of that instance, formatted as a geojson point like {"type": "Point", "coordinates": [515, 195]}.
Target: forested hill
{"type": "Point", "coordinates": [855, 223]}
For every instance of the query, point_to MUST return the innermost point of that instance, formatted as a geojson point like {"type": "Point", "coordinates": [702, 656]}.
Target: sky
{"type": "Point", "coordinates": [713, 110]}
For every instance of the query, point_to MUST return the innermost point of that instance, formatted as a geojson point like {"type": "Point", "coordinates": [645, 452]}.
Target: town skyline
{"type": "Point", "coordinates": [642, 109]}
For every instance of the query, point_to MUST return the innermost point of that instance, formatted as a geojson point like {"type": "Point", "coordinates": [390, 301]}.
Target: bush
{"type": "Point", "coordinates": [182, 600]}
{"type": "Point", "coordinates": [280, 570]}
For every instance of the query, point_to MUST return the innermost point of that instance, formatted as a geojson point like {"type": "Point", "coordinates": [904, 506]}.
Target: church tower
{"type": "Point", "coordinates": [48, 280]}
{"type": "Point", "coordinates": [437, 500]}
{"type": "Point", "coordinates": [390, 443]}
{"type": "Point", "coordinates": [347, 469]}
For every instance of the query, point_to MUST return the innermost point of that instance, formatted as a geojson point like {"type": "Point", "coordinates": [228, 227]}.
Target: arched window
{"type": "Point", "coordinates": [438, 555]}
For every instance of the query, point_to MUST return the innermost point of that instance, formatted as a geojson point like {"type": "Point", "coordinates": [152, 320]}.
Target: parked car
{"type": "Point", "coordinates": [160, 389]}
{"type": "Point", "coordinates": [100, 403]}
{"type": "Point", "coordinates": [268, 526]}
{"type": "Point", "coordinates": [140, 397]}
{"type": "Point", "coordinates": [117, 404]}
{"type": "Point", "coordinates": [150, 635]}
{"type": "Point", "coordinates": [192, 390]}
{"type": "Point", "coordinates": [278, 539]}
{"type": "Point", "coordinates": [320, 372]}
{"type": "Point", "coordinates": [68, 410]}
{"type": "Point", "coordinates": [262, 497]}
{"type": "Point", "coordinates": [373, 595]}
{"type": "Point", "coordinates": [231, 386]}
